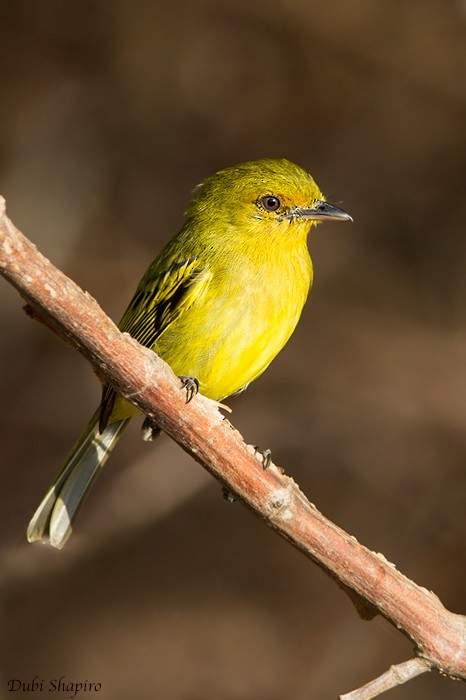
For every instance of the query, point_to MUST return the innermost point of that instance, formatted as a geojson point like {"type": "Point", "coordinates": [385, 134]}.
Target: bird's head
{"type": "Point", "coordinates": [268, 195]}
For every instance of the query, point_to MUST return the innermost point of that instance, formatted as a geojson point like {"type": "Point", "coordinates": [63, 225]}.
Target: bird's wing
{"type": "Point", "coordinates": [160, 299]}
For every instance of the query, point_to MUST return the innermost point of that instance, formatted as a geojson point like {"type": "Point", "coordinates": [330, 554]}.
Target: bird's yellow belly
{"type": "Point", "coordinates": [238, 338]}
{"type": "Point", "coordinates": [228, 337]}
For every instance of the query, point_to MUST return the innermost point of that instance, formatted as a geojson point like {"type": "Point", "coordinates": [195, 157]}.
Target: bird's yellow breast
{"type": "Point", "coordinates": [243, 319]}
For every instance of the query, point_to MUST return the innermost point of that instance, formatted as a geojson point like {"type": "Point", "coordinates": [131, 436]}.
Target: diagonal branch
{"type": "Point", "coordinates": [439, 636]}
{"type": "Point", "coordinates": [396, 675]}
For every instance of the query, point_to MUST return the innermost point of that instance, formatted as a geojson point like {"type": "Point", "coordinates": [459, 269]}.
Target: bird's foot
{"type": "Point", "coordinates": [228, 495]}
{"type": "Point", "coordinates": [266, 456]}
{"type": "Point", "coordinates": [149, 429]}
{"type": "Point", "coordinates": [191, 385]}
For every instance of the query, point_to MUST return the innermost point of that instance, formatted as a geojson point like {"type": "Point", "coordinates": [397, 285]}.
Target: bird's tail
{"type": "Point", "coordinates": [52, 522]}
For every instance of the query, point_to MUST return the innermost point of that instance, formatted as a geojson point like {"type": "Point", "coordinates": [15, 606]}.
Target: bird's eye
{"type": "Point", "coordinates": [270, 203]}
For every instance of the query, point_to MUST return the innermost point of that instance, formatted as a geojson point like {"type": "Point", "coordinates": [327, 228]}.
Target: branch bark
{"type": "Point", "coordinates": [396, 675]}
{"type": "Point", "coordinates": [439, 636]}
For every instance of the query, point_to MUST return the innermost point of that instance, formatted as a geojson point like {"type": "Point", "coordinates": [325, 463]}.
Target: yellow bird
{"type": "Point", "coordinates": [218, 304]}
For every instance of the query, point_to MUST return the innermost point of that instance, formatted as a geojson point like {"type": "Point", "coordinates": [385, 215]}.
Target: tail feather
{"type": "Point", "coordinates": [52, 522]}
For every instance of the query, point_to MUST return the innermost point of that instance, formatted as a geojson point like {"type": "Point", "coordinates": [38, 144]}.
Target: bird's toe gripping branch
{"type": "Point", "coordinates": [150, 430]}
{"type": "Point", "coordinates": [266, 456]}
{"type": "Point", "coordinates": [191, 385]}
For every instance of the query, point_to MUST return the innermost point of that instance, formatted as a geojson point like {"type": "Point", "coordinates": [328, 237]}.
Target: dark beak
{"type": "Point", "coordinates": [321, 211]}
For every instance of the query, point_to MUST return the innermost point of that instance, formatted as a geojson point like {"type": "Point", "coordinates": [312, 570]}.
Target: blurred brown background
{"type": "Point", "coordinates": [111, 112]}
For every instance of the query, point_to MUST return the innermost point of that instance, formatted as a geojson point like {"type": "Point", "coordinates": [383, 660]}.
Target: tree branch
{"type": "Point", "coordinates": [439, 635]}
{"type": "Point", "coordinates": [396, 675]}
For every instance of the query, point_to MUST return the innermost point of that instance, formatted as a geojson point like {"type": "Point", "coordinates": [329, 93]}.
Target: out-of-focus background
{"type": "Point", "coordinates": [110, 113]}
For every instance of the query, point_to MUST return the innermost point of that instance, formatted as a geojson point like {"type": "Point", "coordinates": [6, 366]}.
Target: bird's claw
{"type": "Point", "coordinates": [149, 429]}
{"type": "Point", "coordinates": [228, 495]}
{"type": "Point", "coordinates": [266, 456]}
{"type": "Point", "coordinates": [191, 385]}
